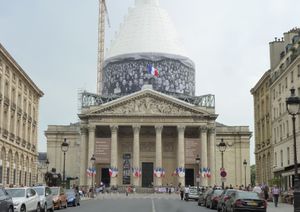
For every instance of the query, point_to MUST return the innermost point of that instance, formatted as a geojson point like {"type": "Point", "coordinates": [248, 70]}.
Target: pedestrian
{"type": "Point", "coordinates": [266, 192]}
{"type": "Point", "coordinates": [275, 193]}
{"type": "Point", "coordinates": [181, 189]}
{"type": "Point", "coordinates": [257, 189]}
{"type": "Point", "coordinates": [186, 193]}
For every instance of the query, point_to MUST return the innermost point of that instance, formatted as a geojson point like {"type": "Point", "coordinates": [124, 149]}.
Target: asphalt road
{"type": "Point", "coordinates": [137, 205]}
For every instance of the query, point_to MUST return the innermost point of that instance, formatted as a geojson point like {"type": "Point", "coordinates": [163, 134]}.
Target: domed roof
{"type": "Point", "coordinates": [146, 29]}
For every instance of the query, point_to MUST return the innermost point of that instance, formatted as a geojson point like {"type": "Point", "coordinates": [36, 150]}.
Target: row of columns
{"type": "Point", "coordinates": [207, 150]}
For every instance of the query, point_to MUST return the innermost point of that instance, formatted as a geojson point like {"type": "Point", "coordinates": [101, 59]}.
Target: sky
{"type": "Point", "coordinates": [55, 42]}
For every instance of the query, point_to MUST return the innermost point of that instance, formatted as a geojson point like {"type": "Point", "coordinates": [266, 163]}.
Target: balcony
{"type": "Point", "coordinates": [29, 119]}
{"type": "Point", "coordinates": [18, 140]}
{"type": "Point", "coordinates": [5, 133]}
{"type": "Point", "coordinates": [11, 137]}
{"type": "Point", "coordinates": [28, 146]}
{"type": "Point", "coordinates": [34, 123]}
{"type": "Point", "coordinates": [13, 106]}
{"type": "Point", "coordinates": [33, 148]}
{"type": "Point", "coordinates": [6, 100]}
{"type": "Point", "coordinates": [19, 111]}
{"type": "Point", "coordinates": [1, 97]}
{"type": "Point", "coordinates": [24, 115]}
{"type": "Point", "coordinates": [23, 143]}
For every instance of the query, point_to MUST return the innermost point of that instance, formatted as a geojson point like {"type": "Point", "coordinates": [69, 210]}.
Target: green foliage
{"type": "Point", "coordinates": [274, 181]}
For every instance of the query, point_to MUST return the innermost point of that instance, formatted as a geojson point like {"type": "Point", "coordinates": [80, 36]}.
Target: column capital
{"type": "Point", "coordinates": [91, 128]}
{"type": "Point", "coordinates": [180, 128]}
{"type": "Point", "coordinates": [203, 128]}
{"type": "Point", "coordinates": [211, 130]}
{"type": "Point", "coordinates": [114, 128]}
{"type": "Point", "coordinates": [136, 128]}
{"type": "Point", "coordinates": [83, 129]}
{"type": "Point", "coordinates": [158, 128]}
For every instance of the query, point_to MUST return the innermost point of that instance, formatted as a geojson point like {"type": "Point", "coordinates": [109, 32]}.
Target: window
{"type": "Point", "coordinates": [286, 82]}
{"type": "Point", "coordinates": [281, 158]}
{"type": "Point", "coordinates": [298, 70]}
{"type": "Point", "coordinates": [275, 156]}
{"type": "Point", "coordinates": [292, 76]}
{"type": "Point", "coordinates": [279, 88]}
{"type": "Point", "coordinates": [288, 155]}
{"type": "Point", "coordinates": [287, 128]}
{"type": "Point", "coordinates": [275, 135]}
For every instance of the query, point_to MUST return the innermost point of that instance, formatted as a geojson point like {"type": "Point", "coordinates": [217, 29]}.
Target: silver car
{"type": "Point", "coordinates": [46, 198]}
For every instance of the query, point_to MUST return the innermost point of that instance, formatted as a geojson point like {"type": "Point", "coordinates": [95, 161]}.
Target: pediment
{"type": "Point", "coordinates": [148, 103]}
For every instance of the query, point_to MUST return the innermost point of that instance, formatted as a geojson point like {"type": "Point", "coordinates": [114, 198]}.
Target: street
{"type": "Point", "coordinates": [148, 203]}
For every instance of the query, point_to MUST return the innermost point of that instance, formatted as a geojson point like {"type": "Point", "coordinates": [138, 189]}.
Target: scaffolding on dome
{"type": "Point", "coordinates": [88, 99]}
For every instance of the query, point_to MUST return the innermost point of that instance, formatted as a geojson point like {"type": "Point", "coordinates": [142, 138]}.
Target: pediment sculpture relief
{"type": "Point", "coordinates": [147, 105]}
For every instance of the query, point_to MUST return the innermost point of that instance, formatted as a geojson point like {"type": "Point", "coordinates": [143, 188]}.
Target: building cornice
{"type": "Point", "coordinates": [266, 75]}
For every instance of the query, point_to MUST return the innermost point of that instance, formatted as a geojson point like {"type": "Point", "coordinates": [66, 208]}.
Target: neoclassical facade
{"type": "Point", "coordinates": [19, 106]}
{"type": "Point", "coordinates": [148, 130]}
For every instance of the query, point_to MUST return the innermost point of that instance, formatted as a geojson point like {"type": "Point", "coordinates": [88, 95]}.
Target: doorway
{"type": "Point", "coordinates": [105, 178]}
{"type": "Point", "coordinates": [189, 177]}
{"type": "Point", "coordinates": [147, 175]}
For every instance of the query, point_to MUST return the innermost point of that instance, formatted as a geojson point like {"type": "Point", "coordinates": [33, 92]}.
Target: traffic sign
{"type": "Point", "coordinates": [223, 173]}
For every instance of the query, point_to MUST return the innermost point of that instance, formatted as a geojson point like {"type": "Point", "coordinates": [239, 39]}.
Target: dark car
{"type": "Point", "coordinates": [203, 196]}
{"type": "Point", "coordinates": [73, 197]}
{"type": "Point", "coordinates": [212, 198]}
{"type": "Point", "coordinates": [245, 201]}
{"type": "Point", "coordinates": [223, 198]}
{"type": "Point", "coordinates": [6, 203]}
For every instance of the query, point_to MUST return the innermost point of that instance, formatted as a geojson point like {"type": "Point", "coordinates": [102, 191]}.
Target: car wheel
{"type": "Point", "coordinates": [45, 208]}
{"type": "Point", "coordinates": [51, 209]}
{"type": "Point", "coordinates": [38, 208]}
{"type": "Point", "coordinates": [23, 208]}
{"type": "Point", "coordinates": [66, 205]}
{"type": "Point", "coordinates": [11, 209]}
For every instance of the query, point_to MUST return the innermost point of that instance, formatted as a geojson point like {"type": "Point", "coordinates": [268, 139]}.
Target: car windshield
{"type": "Point", "coordinates": [248, 195]}
{"type": "Point", "coordinates": [16, 192]}
{"type": "Point", "coordinates": [54, 191]}
{"type": "Point", "coordinates": [39, 190]}
{"type": "Point", "coordinates": [218, 192]}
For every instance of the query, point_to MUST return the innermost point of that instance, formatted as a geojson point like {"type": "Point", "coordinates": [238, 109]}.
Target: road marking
{"type": "Point", "coordinates": [153, 206]}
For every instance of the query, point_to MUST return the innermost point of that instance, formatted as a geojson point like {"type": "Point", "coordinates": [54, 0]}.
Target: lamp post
{"type": "Point", "coordinates": [293, 108]}
{"type": "Point", "coordinates": [245, 166]}
{"type": "Point", "coordinates": [198, 175]}
{"type": "Point", "coordinates": [47, 164]}
{"type": "Point", "coordinates": [64, 149]}
{"type": "Point", "coordinates": [222, 148]}
{"type": "Point", "coordinates": [93, 159]}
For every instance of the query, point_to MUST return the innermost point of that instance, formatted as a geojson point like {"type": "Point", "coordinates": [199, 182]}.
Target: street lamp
{"type": "Point", "coordinates": [93, 159]}
{"type": "Point", "coordinates": [64, 149]}
{"type": "Point", "coordinates": [222, 148]}
{"type": "Point", "coordinates": [198, 178]}
{"type": "Point", "coordinates": [47, 164]}
{"type": "Point", "coordinates": [293, 108]}
{"type": "Point", "coordinates": [245, 165]}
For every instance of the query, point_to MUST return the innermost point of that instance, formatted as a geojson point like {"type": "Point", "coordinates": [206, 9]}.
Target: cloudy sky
{"type": "Point", "coordinates": [55, 41]}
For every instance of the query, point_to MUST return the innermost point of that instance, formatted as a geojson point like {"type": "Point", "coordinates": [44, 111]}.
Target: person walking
{"type": "Point", "coordinates": [275, 193]}
{"type": "Point", "coordinates": [266, 192]}
{"type": "Point", "coordinates": [186, 193]}
{"type": "Point", "coordinates": [181, 190]}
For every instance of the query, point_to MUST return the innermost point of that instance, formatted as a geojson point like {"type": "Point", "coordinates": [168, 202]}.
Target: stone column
{"type": "Point", "coordinates": [91, 149]}
{"type": "Point", "coordinates": [204, 152]}
{"type": "Point", "coordinates": [83, 156]}
{"type": "Point", "coordinates": [212, 157]}
{"type": "Point", "coordinates": [114, 152]}
{"type": "Point", "coordinates": [180, 151]}
{"type": "Point", "coordinates": [136, 152]}
{"type": "Point", "coordinates": [158, 152]}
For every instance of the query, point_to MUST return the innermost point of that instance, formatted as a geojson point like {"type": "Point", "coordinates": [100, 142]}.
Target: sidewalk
{"type": "Point", "coordinates": [281, 207]}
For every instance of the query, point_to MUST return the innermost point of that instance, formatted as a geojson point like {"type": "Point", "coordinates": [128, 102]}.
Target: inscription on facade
{"type": "Point", "coordinates": [192, 149]}
{"type": "Point", "coordinates": [102, 150]}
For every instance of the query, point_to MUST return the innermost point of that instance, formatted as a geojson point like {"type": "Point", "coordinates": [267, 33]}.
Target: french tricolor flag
{"type": "Point", "coordinates": [153, 71]}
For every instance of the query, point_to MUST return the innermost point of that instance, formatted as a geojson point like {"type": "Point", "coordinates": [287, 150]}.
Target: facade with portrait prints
{"type": "Point", "coordinates": [19, 106]}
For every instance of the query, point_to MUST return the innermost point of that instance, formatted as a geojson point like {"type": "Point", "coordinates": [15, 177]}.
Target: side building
{"type": "Point", "coordinates": [19, 106]}
{"type": "Point", "coordinates": [283, 75]}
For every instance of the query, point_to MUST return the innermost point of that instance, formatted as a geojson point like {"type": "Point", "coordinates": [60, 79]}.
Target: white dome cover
{"type": "Point", "coordinates": [146, 29]}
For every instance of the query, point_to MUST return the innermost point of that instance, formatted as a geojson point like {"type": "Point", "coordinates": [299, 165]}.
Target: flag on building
{"type": "Point", "coordinates": [153, 71]}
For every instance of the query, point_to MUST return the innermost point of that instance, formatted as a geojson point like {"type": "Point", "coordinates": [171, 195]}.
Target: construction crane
{"type": "Point", "coordinates": [101, 39]}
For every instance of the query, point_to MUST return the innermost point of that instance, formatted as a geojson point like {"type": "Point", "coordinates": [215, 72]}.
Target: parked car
{"type": "Point", "coordinates": [46, 198]}
{"type": "Point", "coordinates": [202, 197]}
{"type": "Point", "coordinates": [6, 203]}
{"type": "Point", "coordinates": [24, 199]}
{"type": "Point", "coordinates": [73, 197]}
{"type": "Point", "coordinates": [245, 201]}
{"type": "Point", "coordinates": [59, 197]}
{"type": "Point", "coordinates": [223, 198]}
{"type": "Point", "coordinates": [212, 198]}
{"type": "Point", "coordinates": [193, 194]}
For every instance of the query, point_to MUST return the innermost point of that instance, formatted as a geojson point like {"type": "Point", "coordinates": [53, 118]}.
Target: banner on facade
{"type": "Point", "coordinates": [192, 149]}
{"type": "Point", "coordinates": [102, 150]}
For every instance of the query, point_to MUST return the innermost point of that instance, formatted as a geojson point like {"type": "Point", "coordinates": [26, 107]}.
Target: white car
{"type": "Point", "coordinates": [46, 198]}
{"type": "Point", "coordinates": [24, 199]}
